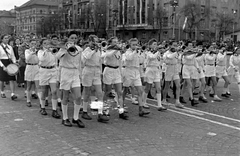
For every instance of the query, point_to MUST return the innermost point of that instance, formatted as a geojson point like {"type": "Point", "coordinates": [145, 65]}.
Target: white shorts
{"type": "Point", "coordinates": [91, 76]}
{"type": "Point", "coordinates": [221, 71]}
{"type": "Point", "coordinates": [190, 72]}
{"type": "Point", "coordinates": [131, 77]}
{"type": "Point", "coordinates": [152, 75]}
{"type": "Point", "coordinates": [69, 78]}
{"type": "Point", "coordinates": [172, 73]}
{"type": "Point", "coordinates": [112, 76]}
{"type": "Point", "coordinates": [31, 73]}
{"type": "Point", "coordinates": [47, 76]}
{"type": "Point", "coordinates": [201, 74]}
{"type": "Point", "coordinates": [210, 70]}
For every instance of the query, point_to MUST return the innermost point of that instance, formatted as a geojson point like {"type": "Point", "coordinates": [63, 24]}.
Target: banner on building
{"type": "Point", "coordinates": [185, 23]}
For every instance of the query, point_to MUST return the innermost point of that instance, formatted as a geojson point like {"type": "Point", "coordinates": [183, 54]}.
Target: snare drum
{"type": "Point", "coordinates": [12, 69]}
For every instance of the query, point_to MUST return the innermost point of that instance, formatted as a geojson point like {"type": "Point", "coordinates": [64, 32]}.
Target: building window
{"type": "Point", "coordinates": [165, 33]}
{"type": "Point", "coordinates": [165, 21]}
{"type": "Point", "coordinates": [40, 11]}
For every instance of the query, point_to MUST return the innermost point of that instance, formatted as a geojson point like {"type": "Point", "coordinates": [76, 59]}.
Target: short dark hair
{"type": "Point", "coordinates": [54, 36]}
{"type": "Point", "coordinates": [43, 39]}
{"type": "Point", "coordinates": [133, 40]}
{"type": "Point", "coordinates": [3, 36]}
{"type": "Point", "coordinates": [91, 38]}
{"type": "Point", "coordinates": [151, 41]}
{"type": "Point", "coordinates": [71, 33]}
{"type": "Point", "coordinates": [111, 39]}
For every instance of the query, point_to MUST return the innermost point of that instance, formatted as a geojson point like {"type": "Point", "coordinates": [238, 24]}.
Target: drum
{"type": "Point", "coordinates": [12, 69]}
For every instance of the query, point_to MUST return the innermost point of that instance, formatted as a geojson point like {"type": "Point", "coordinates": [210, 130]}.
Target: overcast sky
{"type": "Point", "coordinates": [9, 4]}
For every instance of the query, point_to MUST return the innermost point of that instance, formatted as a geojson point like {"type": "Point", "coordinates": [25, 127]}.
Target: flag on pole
{"type": "Point", "coordinates": [185, 23]}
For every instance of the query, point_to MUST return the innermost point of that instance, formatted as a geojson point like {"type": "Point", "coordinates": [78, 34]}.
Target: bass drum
{"type": "Point", "coordinates": [12, 69]}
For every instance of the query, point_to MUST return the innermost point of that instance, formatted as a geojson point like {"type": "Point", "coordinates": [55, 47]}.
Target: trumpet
{"type": "Point", "coordinates": [70, 47]}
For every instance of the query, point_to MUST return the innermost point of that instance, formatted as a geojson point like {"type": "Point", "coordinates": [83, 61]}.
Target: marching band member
{"type": "Point", "coordinates": [172, 73]}
{"type": "Point", "coordinates": [32, 70]}
{"type": "Point", "coordinates": [6, 57]}
{"type": "Point", "coordinates": [234, 67]}
{"type": "Point", "coordinates": [47, 76]}
{"type": "Point", "coordinates": [200, 60]}
{"type": "Point", "coordinates": [22, 64]}
{"type": "Point", "coordinates": [91, 76]}
{"type": "Point", "coordinates": [132, 74]}
{"type": "Point", "coordinates": [190, 73]}
{"type": "Point", "coordinates": [210, 70]}
{"type": "Point", "coordinates": [112, 74]}
{"type": "Point", "coordinates": [70, 65]}
{"type": "Point", "coordinates": [221, 70]}
{"type": "Point", "coordinates": [153, 73]}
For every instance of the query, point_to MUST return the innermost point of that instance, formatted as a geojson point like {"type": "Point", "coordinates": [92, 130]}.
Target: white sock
{"type": "Point", "coordinates": [28, 96]}
{"type": "Point", "coordinates": [39, 97]}
{"type": "Point", "coordinates": [46, 98]}
{"type": "Point", "coordinates": [159, 100]}
{"type": "Point", "coordinates": [2, 92]}
{"type": "Point", "coordinates": [76, 111]}
{"type": "Point", "coordinates": [100, 110]}
{"type": "Point", "coordinates": [42, 103]}
{"type": "Point", "coordinates": [85, 106]}
{"type": "Point", "coordinates": [59, 100]}
{"type": "Point", "coordinates": [12, 94]}
{"type": "Point", "coordinates": [33, 92]}
{"type": "Point", "coordinates": [25, 92]}
{"type": "Point", "coordinates": [239, 87]}
{"type": "Point", "coordinates": [144, 97]}
{"type": "Point", "coordinates": [224, 90]}
{"type": "Point", "coordinates": [64, 111]}
{"type": "Point", "coordinates": [54, 104]}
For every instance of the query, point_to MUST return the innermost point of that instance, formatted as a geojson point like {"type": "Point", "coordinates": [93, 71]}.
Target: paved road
{"type": "Point", "coordinates": [211, 129]}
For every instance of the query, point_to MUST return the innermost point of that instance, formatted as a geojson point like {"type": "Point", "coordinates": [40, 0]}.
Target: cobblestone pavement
{"type": "Point", "coordinates": [207, 130]}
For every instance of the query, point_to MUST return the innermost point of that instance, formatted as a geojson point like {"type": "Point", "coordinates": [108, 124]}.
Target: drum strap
{"type": "Point", "coordinates": [7, 54]}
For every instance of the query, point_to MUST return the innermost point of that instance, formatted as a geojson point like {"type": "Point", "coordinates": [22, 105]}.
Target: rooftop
{"type": "Point", "coordinates": [39, 2]}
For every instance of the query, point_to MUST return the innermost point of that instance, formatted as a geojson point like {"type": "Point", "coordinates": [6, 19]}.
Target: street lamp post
{"type": "Point", "coordinates": [234, 13]}
{"type": "Point", "coordinates": [174, 4]}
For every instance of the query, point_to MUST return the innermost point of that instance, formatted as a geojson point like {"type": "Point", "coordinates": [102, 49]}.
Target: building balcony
{"type": "Point", "coordinates": [135, 26]}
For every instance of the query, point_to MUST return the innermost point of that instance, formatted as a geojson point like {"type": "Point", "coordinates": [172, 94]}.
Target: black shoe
{"type": "Point", "coordinates": [225, 95]}
{"type": "Point", "coordinates": [14, 97]}
{"type": "Point", "coordinates": [43, 111]}
{"type": "Point", "coordinates": [142, 112]}
{"type": "Point", "coordinates": [194, 102]}
{"type": "Point", "coordinates": [103, 118]}
{"type": "Point", "coordinates": [228, 93]}
{"type": "Point", "coordinates": [195, 93]}
{"type": "Point", "coordinates": [211, 95]}
{"type": "Point", "coordinates": [182, 100]}
{"type": "Point", "coordinates": [34, 96]}
{"type": "Point", "coordinates": [25, 95]}
{"type": "Point", "coordinates": [162, 108]}
{"type": "Point", "coordinates": [86, 116]}
{"type": "Point", "coordinates": [202, 99]}
{"type": "Point", "coordinates": [123, 116]}
{"type": "Point", "coordinates": [29, 104]}
{"type": "Point", "coordinates": [168, 96]}
{"type": "Point", "coordinates": [55, 114]}
{"type": "Point", "coordinates": [46, 103]}
{"type": "Point", "coordinates": [111, 95]}
{"type": "Point", "coordinates": [3, 95]}
{"type": "Point", "coordinates": [149, 96]}
{"type": "Point", "coordinates": [79, 123]}
{"type": "Point", "coordinates": [66, 123]}
{"type": "Point", "coordinates": [19, 85]}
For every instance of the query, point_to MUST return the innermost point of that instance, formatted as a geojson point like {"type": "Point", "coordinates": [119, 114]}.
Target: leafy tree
{"type": "Point", "coordinates": [225, 23]}
{"type": "Point", "coordinates": [195, 15]}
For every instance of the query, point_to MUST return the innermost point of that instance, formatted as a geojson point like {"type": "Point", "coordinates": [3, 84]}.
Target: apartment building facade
{"type": "Point", "coordinates": [30, 16]}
